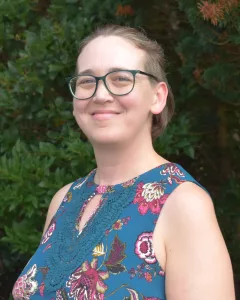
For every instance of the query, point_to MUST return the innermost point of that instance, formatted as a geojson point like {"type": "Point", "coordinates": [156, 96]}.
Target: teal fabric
{"type": "Point", "coordinates": [113, 256]}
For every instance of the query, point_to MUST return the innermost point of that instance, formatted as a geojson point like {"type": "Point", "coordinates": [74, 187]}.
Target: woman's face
{"type": "Point", "coordinates": [110, 119]}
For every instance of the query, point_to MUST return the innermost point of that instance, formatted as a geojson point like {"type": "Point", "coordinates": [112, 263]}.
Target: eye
{"type": "Point", "coordinates": [121, 78]}
{"type": "Point", "coordinates": [86, 81]}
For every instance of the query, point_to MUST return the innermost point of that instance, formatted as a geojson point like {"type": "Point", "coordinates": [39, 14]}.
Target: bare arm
{"type": "Point", "coordinates": [55, 203]}
{"type": "Point", "coordinates": [198, 264]}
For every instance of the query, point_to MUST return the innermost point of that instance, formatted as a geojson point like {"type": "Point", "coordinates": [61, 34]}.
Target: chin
{"type": "Point", "coordinates": [106, 138]}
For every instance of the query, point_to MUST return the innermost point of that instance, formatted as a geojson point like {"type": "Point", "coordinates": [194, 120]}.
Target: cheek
{"type": "Point", "coordinates": [136, 104]}
{"type": "Point", "coordinates": [79, 109]}
{"type": "Point", "coordinates": [77, 105]}
{"type": "Point", "coordinates": [138, 110]}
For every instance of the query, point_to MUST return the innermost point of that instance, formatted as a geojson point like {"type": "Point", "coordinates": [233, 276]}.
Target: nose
{"type": "Point", "coordinates": [102, 94]}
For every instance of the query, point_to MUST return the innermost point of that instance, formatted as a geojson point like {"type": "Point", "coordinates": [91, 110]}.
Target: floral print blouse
{"type": "Point", "coordinates": [113, 256]}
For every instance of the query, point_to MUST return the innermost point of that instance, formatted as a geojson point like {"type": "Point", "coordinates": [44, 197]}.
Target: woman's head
{"type": "Point", "coordinates": [150, 103]}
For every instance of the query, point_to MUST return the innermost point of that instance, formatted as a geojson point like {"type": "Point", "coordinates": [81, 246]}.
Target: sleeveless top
{"type": "Point", "coordinates": [113, 256]}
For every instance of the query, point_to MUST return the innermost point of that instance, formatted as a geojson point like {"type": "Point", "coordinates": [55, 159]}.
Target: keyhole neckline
{"type": "Point", "coordinates": [102, 189]}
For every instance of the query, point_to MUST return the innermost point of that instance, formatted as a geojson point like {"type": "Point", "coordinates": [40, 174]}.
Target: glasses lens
{"type": "Point", "coordinates": [83, 86]}
{"type": "Point", "coordinates": [120, 82]}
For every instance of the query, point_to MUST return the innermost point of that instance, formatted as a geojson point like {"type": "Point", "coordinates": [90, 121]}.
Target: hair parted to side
{"type": "Point", "coordinates": [154, 64]}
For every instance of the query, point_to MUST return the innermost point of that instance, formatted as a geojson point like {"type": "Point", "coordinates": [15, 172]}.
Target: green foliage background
{"type": "Point", "coordinates": [41, 147]}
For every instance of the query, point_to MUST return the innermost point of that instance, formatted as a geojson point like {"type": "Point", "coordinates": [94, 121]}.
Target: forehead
{"type": "Point", "coordinates": [104, 53]}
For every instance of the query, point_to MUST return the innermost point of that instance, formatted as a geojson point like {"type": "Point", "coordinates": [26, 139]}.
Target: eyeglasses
{"type": "Point", "coordinates": [118, 83]}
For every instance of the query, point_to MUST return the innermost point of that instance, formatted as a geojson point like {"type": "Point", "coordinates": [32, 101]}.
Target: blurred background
{"type": "Point", "coordinates": [41, 147]}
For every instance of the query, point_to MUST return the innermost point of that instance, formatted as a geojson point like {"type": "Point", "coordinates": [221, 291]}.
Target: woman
{"type": "Point", "coordinates": [137, 227]}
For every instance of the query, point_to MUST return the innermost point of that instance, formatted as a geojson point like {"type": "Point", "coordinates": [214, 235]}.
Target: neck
{"type": "Point", "coordinates": [120, 163]}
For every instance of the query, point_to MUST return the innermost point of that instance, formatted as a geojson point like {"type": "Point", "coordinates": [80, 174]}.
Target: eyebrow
{"type": "Point", "coordinates": [90, 71]}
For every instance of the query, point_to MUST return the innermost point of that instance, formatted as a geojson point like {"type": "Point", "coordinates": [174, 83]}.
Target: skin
{"type": "Point", "coordinates": [187, 240]}
{"type": "Point", "coordinates": [114, 149]}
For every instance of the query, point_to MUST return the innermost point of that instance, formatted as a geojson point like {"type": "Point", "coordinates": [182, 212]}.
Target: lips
{"type": "Point", "coordinates": [104, 114]}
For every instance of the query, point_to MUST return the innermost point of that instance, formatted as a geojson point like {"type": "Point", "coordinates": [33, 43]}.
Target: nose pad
{"type": "Point", "coordinates": [102, 93]}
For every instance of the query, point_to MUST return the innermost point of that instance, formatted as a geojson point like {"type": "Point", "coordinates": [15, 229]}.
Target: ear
{"type": "Point", "coordinates": [159, 98]}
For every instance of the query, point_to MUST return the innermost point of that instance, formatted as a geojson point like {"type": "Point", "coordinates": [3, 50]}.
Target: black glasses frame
{"type": "Point", "coordinates": [103, 78]}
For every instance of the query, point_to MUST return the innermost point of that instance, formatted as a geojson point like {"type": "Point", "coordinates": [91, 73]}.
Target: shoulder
{"type": "Point", "coordinates": [58, 197]}
{"type": "Point", "coordinates": [55, 203]}
{"type": "Point", "coordinates": [194, 245]}
{"type": "Point", "coordinates": [191, 201]}
{"type": "Point", "coordinates": [188, 208]}
{"type": "Point", "coordinates": [187, 205]}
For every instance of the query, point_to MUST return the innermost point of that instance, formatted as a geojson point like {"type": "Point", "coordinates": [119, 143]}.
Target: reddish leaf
{"type": "Point", "coordinates": [117, 253]}
{"type": "Point", "coordinates": [44, 270]}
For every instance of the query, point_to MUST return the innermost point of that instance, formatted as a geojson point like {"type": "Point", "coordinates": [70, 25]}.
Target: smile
{"type": "Point", "coordinates": [104, 114]}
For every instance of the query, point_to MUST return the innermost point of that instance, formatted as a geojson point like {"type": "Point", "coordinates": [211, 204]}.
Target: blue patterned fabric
{"type": "Point", "coordinates": [113, 257]}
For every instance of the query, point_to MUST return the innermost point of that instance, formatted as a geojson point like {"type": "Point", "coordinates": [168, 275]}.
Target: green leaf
{"type": "Point", "coordinates": [116, 269]}
{"type": "Point", "coordinates": [190, 152]}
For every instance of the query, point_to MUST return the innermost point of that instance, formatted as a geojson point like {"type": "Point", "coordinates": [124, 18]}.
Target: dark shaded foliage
{"type": "Point", "coordinates": [41, 147]}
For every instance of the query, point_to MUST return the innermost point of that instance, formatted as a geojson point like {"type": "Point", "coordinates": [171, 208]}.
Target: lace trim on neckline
{"type": "Point", "coordinates": [106, 188]}
{"type": "Point", "coordinates": [68, 250]}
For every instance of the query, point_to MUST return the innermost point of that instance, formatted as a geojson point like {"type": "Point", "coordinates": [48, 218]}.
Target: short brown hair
{"type": "Point", "coordinates": [154, 64]}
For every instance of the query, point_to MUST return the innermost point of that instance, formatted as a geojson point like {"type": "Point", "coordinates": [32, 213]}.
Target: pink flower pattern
{"type": "Point", "coordinates": [144, 247]}
{"type": "Point", "coordinates": [101, 189]}
{"type": "Point", "coordinates": [87, 282]}
{"type": "Point", "coordinates": [150, 196]}
{"type": "Point", "coordinates": [26, 286]}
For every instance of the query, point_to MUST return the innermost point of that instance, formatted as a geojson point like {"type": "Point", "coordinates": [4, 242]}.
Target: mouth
{"type": "Point", "coordinates": [104, 115]}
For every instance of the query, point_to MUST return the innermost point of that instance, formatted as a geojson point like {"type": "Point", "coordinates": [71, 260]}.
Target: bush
{"type": "Point", "coordinates": [41, 147]}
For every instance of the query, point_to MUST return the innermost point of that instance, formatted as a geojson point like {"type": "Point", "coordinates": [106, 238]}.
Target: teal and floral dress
{"type": "Point", "coordinates": [113, 256]}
